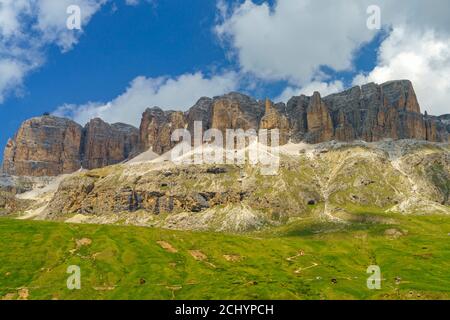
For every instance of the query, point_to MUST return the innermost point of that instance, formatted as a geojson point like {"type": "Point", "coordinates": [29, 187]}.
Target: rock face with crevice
{"type": "Point", "coordinates": [44, 146]}
{"type": "Point", "coordinates": [157, 127]}
{"type": "Point", "coordinates": [376, 112]}
{"type": "Point", "coordinates": [50, 146]}
{"type": "Point", "coordinates": [104, 144]}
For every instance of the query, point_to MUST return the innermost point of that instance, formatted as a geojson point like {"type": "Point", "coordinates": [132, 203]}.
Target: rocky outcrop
{"type": "Point", "coordinates": [320, 124]}
{"type": "Point", "coordinates": [44, 146]}
{"type": "Point", "coordinates": [230, 111]}
{"type": "Point", "coordinates": [8, 203]}
{"type": "Point", "coordinates": [236, 111]}
{"type": "Point", "coordinates": [157, 127]}
{"type": "Point", "coordinates": [274, 118]}
{"type": "Point", "coordinates": [106, 144]}
{"type": "Point", "coordinates": [370, 113]}
{"type": "Point", "coordinates": [50, 146]}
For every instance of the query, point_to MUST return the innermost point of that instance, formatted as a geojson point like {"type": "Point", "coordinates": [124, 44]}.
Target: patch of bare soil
{"type": "Point", "coordinates": [23, 294]}
{"type": "Point", "coordinates": [9, 296]}
{"type": "Point", "coordinates": [167, 246]}
{"type": "Point", "coordinates": [83, 242]}
{"type": "Point", "coordinates": [302, 269]}
{"type": "Point", "coordinates": [106, 288]}
{"type": "Point", "coordinates": [301, 253]}
{"type": "Point", "coordinates": [173, 289]}
{"type": "Point", "coordinates": [232, 257]}
{"type": "Point", "coordinates": [198, 255]}
{"type": "Point", "coordinates": [395, 233]}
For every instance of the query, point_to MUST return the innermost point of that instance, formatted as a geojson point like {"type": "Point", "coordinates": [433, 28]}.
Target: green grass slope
{"type": "Point", "coordinates": [307, 259]}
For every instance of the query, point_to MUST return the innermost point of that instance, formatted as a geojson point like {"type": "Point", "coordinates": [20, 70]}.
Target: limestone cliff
{"type": "Point", "coordinates": [50, 146]}
{"type": "Point", "coordinates": [44, 146]}
{"type": "Point", "coordinates": [104, 144]}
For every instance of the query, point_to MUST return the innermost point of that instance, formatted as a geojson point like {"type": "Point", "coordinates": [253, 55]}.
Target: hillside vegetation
{"type": "Point", "coordinates": [324, 181]}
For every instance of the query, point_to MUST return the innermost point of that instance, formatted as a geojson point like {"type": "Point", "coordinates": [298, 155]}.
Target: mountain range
{"type": "Point", "coordinates": [368, 148]}
{"type": "Point", "coordinates": [50, 146]}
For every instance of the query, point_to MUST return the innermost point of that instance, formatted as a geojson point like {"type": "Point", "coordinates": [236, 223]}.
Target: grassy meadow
{"type": "Point", "coordinates": [306, 259]}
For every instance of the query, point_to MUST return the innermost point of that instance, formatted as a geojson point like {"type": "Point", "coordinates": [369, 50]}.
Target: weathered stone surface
{"type": "Point", "coordinates": [90, 195]}
{"type": "Point", "coordinates": [275, 118]}
{"type": "Point", "coordinates": [230, 111]}
{"type": "Point", "coordinates": [438, 128]}
{"type": "Point", "coordinates": [320, 124]}
{"type": "Point", "coordinates": [44, 146]}
{"type": "Point", "coordinates": [8, 203]}
{"type": "Point", "coordinates": [157, 127]}
{"type": "Point", "coordinates": [375, 112]}
{"type": "Point", "coordinates": [201, 111]}
{"type": "Point", "coordinates": [106, 144]}
{"type": "Point", "coordinates": [296, 111]}
{"type": "Point", "coordinates": [50, 146]}
{"type": "Point", "coordinates": [236, 111]}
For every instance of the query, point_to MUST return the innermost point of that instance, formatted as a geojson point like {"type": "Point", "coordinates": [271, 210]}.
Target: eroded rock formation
{"type": "Point", "coordinates": [104, 144]}
{"type": "Point", "coordinates": [44, 146]}
{"type": "Point", "coordinates": [157, 127]}
{"type": "Point", "coordinates": [50, 146]}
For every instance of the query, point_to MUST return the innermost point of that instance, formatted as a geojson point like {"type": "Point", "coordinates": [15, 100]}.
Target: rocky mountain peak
{"type": "Point", "coordinates": [50, 146]}
{"type": "Point", "coordinates": [42, 146]}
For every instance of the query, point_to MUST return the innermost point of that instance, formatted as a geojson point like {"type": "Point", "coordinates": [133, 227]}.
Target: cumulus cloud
{"type": "Point", "coordinates": [11, 74]}
{"type": "Point", "coordinates": [293, 39]}
{"type": "Point", "coordinates": [177, 93]}
{"type": "Point", "coordinates": [52, 16]}
{"type": "Point", "coordinates": [27, 27]}
{"type": "Point", "coordinates": [420, 56]}
{"type": "Point", "coordinates": [10, 15]}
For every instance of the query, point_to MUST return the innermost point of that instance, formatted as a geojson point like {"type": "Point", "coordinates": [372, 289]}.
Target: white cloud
{"type": "Point", "coordinates": [11, 75]}
{"type": "Point", "coordinates": [168, 93]}
{"type": "Point", "coordinates": [292, 40]}
{"type": "Point", "coordinates": [27, 27]}
{"type": "Point", "coordinates": [423, 58]}
{"type": "Point", "coordinates": [323, 87]}
{"type": "Point", "coordinates": [52, 16]}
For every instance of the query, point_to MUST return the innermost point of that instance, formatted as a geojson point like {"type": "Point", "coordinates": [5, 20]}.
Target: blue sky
{"type": "Point", "coordinates": [213, 44]}
{"type": "Point", "coordinates": [171, 39]}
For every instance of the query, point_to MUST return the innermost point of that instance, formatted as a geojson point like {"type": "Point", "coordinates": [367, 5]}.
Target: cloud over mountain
{"type": "Point", "coordinates": [178, 93]}
{"type": "Point", "coordinates": [293, 39]}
